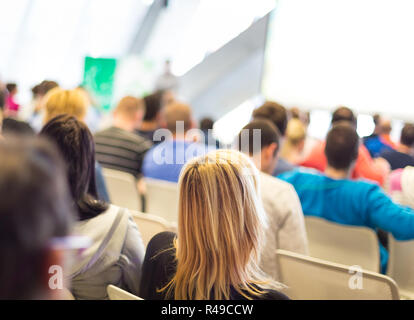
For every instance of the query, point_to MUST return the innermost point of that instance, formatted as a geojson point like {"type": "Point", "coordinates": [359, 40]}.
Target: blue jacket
{"type": "Point", "coordinates": [351, 202]}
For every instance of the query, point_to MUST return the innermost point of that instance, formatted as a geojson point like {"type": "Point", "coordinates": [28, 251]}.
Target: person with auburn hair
{"type": "Point", "coordinates": [117, 251]}
{"type": "Point", "coordinates": [221, 226]}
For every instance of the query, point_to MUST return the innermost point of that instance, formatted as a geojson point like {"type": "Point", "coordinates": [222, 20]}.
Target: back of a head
{"type": "Point", "coordinates": [129, 106]}
{"type": "Point", "coordinates": [295, 132]}
{"type": "Point", "coordinates": [342, 143]}
{"type": "Point", "coordinates": [206, 124]}
{"type": "Point", "coordinates": [34, 209]}
{"type": "Point", "coordinates": [72, 102]}
{"type": "Point", "coordinates": [16, 127]}
{"type": "Point", "coordinates": [11, 87]}
{"type": "Point", "coordinates": [153, 105]}
{"type": "Point", "coordinates": [385, 125]}
{"type": "Point", "coordinates": [344, 114]}
{"type": "Point", "coordinates": [220, 227]}
{"type": "Point", "coordinates": [76, 144]}
{"type": "Point", "coordinates": [256, 135]}
{"type": "Point", "coordinates": [407, 135]}
{"type": "Point", "coordinates": [47, 85]}
{"type": "Point", "coordinates": [274, 112]}
{"type": "Point", "coordinates": [178, 112]}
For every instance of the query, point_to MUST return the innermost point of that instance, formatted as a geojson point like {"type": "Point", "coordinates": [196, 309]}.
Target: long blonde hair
{"type": "Point", "coordinates": [221, 226]}
{"type": "Point", "coordinates": [72, 102]}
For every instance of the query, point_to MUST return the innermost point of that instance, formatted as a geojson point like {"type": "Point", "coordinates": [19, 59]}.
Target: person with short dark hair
{"type": "Point", "coordinates": [35, 214]}
{"type": "Point", "coordinates": [152, 118]}
{"type": "Point", "coordinates": [206, 126]}
{"type": "Point", "coordinates": [375, 170]}
{"type": "Point", "coordinates": [165, 160]}
{"type": "Point", "coordinates": [116, 254]}
{"type": "Point", "coordinates": [403, 155]}
{"type": "Point", "coordinates": [276, 113]}
{"type": "Point", "coordinates": [16, 127]}
{"type": "Point", "coordinates": [286, 228]}
{"type": "Point", "coordinates": [333, 196]}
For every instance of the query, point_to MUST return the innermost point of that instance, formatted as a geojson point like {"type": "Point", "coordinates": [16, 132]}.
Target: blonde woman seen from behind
{"type": "Point", "coordinates": [292, 149]}
{"type": "Point", "coordinates": [220, 231]}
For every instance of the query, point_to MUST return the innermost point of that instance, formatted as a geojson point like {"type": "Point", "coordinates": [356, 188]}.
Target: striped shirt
{"type": "Point", "coordinates": [121, 150]}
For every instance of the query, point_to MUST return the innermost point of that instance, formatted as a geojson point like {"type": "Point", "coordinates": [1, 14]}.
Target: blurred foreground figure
{"type": "Point", "coordinates": [35, 218]}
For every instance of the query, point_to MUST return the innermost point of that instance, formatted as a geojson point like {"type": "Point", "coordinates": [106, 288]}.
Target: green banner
{"type": "Point", "coordinates": [98, 79]}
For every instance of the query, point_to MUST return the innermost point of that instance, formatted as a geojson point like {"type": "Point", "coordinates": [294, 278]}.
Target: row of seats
{"type": "Point", "coordinates": [333, 247]}
{"type": "Point", "coordinates": [161, 197]}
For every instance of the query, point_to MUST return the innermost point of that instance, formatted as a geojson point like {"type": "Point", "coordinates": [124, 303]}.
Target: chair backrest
{"type": "Point", "coordinates": [400, 265]}
{"type": "Point", "coordinates": [162, 199]}
{"type": "Point", "coordinates": [310, 278]}
{"type": "Point", "coordinates": [149, 225]}
{"type": "Point", "coordinates": [66, 294]}
{"type": "Point", "coordinates": [115, 293]}
{"type": "Point", "coordinates": [348, 245]}
{"type": "Point", "coordinates": [122, 189]}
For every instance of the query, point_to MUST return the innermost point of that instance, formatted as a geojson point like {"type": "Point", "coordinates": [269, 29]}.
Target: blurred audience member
{"type": "Point", "coordinates": [117, 251]}
{"type": "Point", "coordinates": [403, 155]}
{"type": "Point", "coordinates": [35, 216]}
{"type": "Point", "coordinates": [75, 103]}
{"type": "Point", "coordinates": [167, 81]}
{"type": "Point", "coordinates": [286, 225]}
{"type": "Point", "coordinates": [278, 115]}
{"type": "Point", "coordinates": [12, 126]}
{"type": "Point", "coordinates": [165, 160]}
{"type": "Point", "coordinates": [152, 118]}
{"type": "Point", "coordinates": [12, 107]}
{"type": "Point", "coordinates": [292, 149]}
{"type": "Point", "coordinates": [206, 126]}
{"type": "Point", "coordinates": [220, 231]}
{"type": "Point", "coordinates": [59, 101]}
{"type": "Point", "coordinates": [380, 140]}
{"type": "Point", "coordinates": [333, 196]}
{"type": "Point", "coordinates": [365, 167]}
{"type": "Point", "coordinates": [37, 108]}
{"type": "Point", "coordinates": [119, 147]}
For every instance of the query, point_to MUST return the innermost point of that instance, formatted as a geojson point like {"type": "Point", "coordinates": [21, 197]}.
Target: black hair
{"type": "Point", "coordinates": [344, 114]}
{"type": "Point", "coordinates": [274, 112]}
{"type": "Point", "coordinates": [76, 144]}
{"type": "Point", "coordinates": [206, 124]}
{"type": "Point", "coordinates": [407, 135]}
{"type": "Point", "coordinates": [153, 105]}
{"type": "Point", "coordinates": [268, 134]}
{"type": "Point", "coordinates": [34, 208]}
{"type": "Point", "coordinates": [16, 127]}
{"type": "Point", "coordinates": [342, 143]}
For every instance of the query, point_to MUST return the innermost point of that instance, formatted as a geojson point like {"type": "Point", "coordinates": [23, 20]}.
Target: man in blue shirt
{"type": "Point", "coordinates": [335, 197]}
{"type": "Point", "coordinates": [165, 160]}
